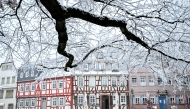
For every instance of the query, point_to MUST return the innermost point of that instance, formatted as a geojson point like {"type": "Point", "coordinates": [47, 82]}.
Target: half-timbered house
{"type": "Point", "coordinates": [98, 84]}
{"type": "Point", "coordinates": [52, 92]}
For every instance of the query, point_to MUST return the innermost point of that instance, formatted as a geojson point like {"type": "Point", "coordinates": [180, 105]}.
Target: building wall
{"type": "Point", "coordinates": [7, 71]}
{"type": "Point", "coordinates": [105, 96]}
{"type": "Point", "coordinates": [46, 96]}
{"type": "Point", "coordinates": [155, 91]}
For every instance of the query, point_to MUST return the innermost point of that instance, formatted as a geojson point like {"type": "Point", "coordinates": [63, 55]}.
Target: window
{"type": "Point", "coordinates": [85, 67]}
{"type": "Point", "coordinates": [43, 85]}
{"type": "Point", "coordinates": [122, 81]}
{"type": "Point", "coordinates": [185, 80]}
{"type": "Point", "coordinates": [54, 84]}
{"type": "Point", "coordinates": [1, 95]}
{"type": "Point", "coordinates": [100, 55]}
{"type": "Point", "coordinates": [80, 100]}
{"type": "Point", "coordinates": [180, 99]}
{"type": "Point", "coordinates": [169, 82]}
{"type": "Point", "coordinates": [114, 100]}
{"type": "Point", "coordinates": [26, 73]}
{"type": "Point", "coordinates": [152, 99]}
{"type": "Point", "coordinates": [92, 81]}
{"type": "Point", "coordinates": [104, 81]}
{"type": "Point", "coordinates": [27, 87]}
{"type": "Point", "coordinates": [80, 81]}
{"type": "Point", "coordinates": [160, 81]}
{"type": "Point", "coordinates": [10, 106]}
{"type": "Point", "coordinates": [13, 79]}
{"type": "Point", "coordinates": [177, 79]}
{"type": "Point", "coordinates": [62, 101]}
{"type": "Point", "coordinates": [60, 83]}
{"type": "Point", "coordinates": [32, 72]}
{"type": "Point", "coordinates": [92, 100]}
{"type": "Point", "coordinates": [143, 81]}
{"type": "Point", "coordinates": [9, 94]}
{"type": "Point", "coordinates": [54, 101]}
{"type": "Point", "coordinates": [3, 81]}
{"type": "Point", "coordinates": [122, 99]}
{"type": "Point", "coordinates": [21, 75]}
{"type": "Point", "coordinates": [137, 99]}
{"type": "Point", "coordinates": [21, 87]}
{"type": "Point", "coordinates": [101, 66]}
{"type": "Point", "coordinates": [26, 102]}
{"type": "Point", "coordinates": [8, 80]}
{"type": "Point", "coordinates": [144, 99]}
{"type": "Point", "coordinates": [21, 102]}
{"type": "Point", "coordinates": [33, 102]}
{"type": "Point", "coordinates": [33, 87]}
{"type": "Point", "coordinates": [134, 81]}
{"type": "Point", "coordinates": [151, 80]}
{"type": "Point", "coordinates": [172, 99]}
{"type": "Point", "coordinates": [114, 81]}
{"type": "Point", "coordinates": [6, 67]}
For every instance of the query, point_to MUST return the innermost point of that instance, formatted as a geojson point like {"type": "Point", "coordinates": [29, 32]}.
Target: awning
{"type": "Point", "coordinates": [2, 104]}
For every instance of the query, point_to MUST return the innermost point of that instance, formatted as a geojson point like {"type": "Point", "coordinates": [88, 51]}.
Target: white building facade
{"type": "Point", "coordinates": [7, 86]}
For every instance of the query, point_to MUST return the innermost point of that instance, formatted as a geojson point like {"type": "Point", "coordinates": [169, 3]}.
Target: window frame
{"type": "Point", "coordinates": [80, 81]}
{"type": "Point", "coordinates": [21, 75]}
{"type": "Point", "coordinates": [151, 81]}
{"type": "Point", "coordinates": [92, 100]}
{"type": "Point", "coordinates": [114, 81]}
{"type": "Point", "coordinates": [21, 87]}
{"type": "Point", "coordinates": [43, 85]}
{"type": "Point", "coordinates": [134, 83]}
{"type": "Point", "coordinates": [33, 100]}
{"type": "Point", "coordinates": [27, 88]}
{"type": "Point", "coordinates": [54, 84]}
{"type": "Point", "coordinates": [33, 86]}
{"type": "Point", "coordinates": [54, 100]}
{"type": "Point", "coordinates": [137, 99]}
{"type": "Point", "coordinates": [8, 80]}
{"type": "Point", "coordinates": [143, 81]}
{"type": "Point", "coordinates": [61, 84]}
{"type": "Point", "coordinates": [27, 101]}
{"type": "Point", "coordinates": [122, 81]}
{"type": "Point", "coordinates": [92, 81]}
{"type": "Point", "coordinates": [9, 93]}
{"type": "Point", "coordinates": [62, 101]}
{"type": "Point", "coordinates": [80, 100]}
{"type": "Point", "coordinates": [104, 81]}
{"type": "Point", "coordinates": [123, 99]}
{"type": "Point", "coordinates": [21, 101]}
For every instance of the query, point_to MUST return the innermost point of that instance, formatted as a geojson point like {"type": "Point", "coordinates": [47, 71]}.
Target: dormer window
{"type": "Point", "coordinates": [100, 66]}
{"type": "Point", "coordinates": [26, 73]}
{"type": "Point", "coordinates": [32, 73]}
{"type": "Point", "coordinates": [100, 55]}
{"type": "Point", "coordinates": [21, 75]}
{"type": "Point", "coordinates": [85, 67]}
{"type": "Point", "coordinates": [113, 55]}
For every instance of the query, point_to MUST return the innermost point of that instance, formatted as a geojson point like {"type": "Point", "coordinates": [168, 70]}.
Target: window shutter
{"type": "Point", "coordinates": [156, 99]}
{"type": "Point", "coordinates": [133, 99]}
{"type": "Point", "coordinates": [87, 100]}
{"type": "Point", "coordinates": [23, 102]}
{"type": "Point", "coordinates": [35, 102]}
{"type": "Point", "coordinates": [75, 100]}
{"type": "Point", "coordinates": [51, 102]}
{"type": "Point", "coordinates": [127, 100]}
{"type": "Point", "coordinates": [111, 100]}
{"type": "Point", "coordinates": [57, 101]}
{"type": "Point", "coordinates": [18, 103]}
{"type": "Point", "coordinates": [64, 101]}
{"type": "Point", "coordinates": [169, 102]}
{"type": "Point", "coordinates": [177, 99]}
{"type": "Point", "coordinates": [141, 99]}
{"type": "Point", "coordinates": [29, 101]}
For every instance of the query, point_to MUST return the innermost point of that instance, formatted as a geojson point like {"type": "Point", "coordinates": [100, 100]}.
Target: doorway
{"type": "Point", "coordinates": [105, 102]}
{"type": "Point", "coordinates": [162, 101]}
